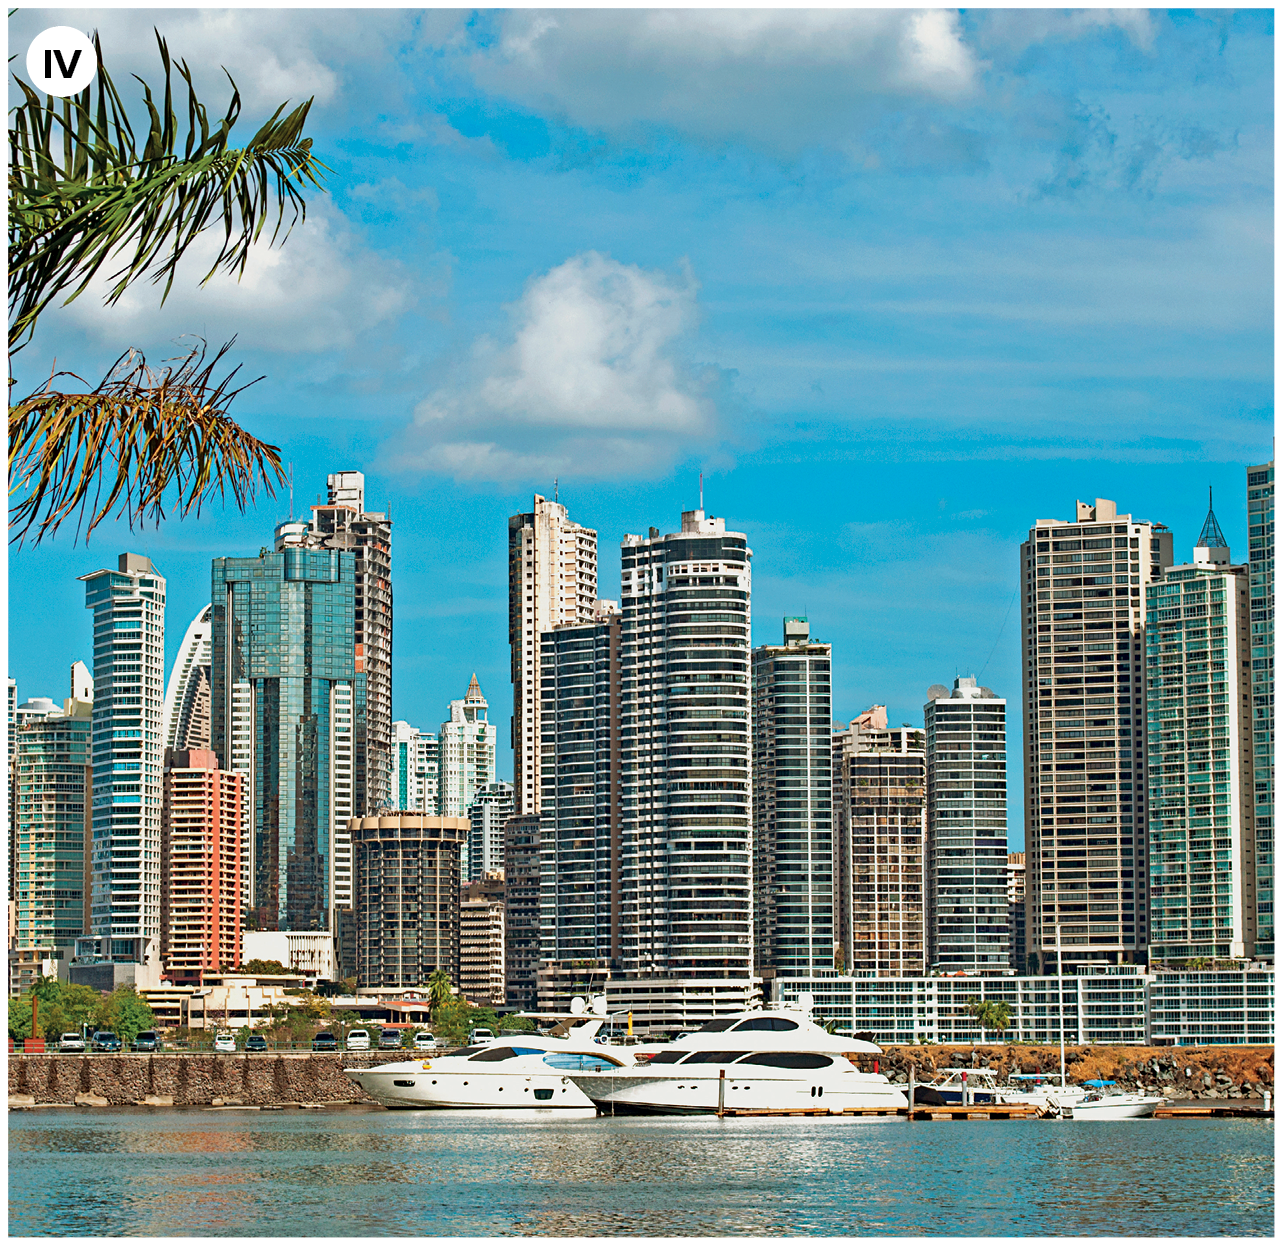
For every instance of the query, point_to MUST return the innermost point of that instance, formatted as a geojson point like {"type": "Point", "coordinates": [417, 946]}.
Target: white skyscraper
{"type": "Point", "coordinates": [128, 605]}
{"type": "Point", "coordinates": [186, 722]}
{"type": "Point", "coordinates": [552, 581]}
{"type": "Point", "coordinates": [490, 810]}
{"type": "Point", "coordinates": [414, 769]}
{"type": "Point", "coordinates": [1202, 840]}
{"type": "Point", "coordinates": [1082, 601]}
{"type": "Point", "coordinates": [467, 753]}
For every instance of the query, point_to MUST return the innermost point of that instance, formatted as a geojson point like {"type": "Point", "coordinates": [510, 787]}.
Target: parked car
{"type": "Point", "coordinates": [255, 1042]}
{"type": "Point", "coordinates": [389, 1040]}
{"type": "Point", "coordinates": [71, 1041]}
{"type": "Point", "coordinates": [148, 1040]}
{"type": "Point", "coordinates": [423, 1041]}
{"type": "Point", "coordinates": [480, 1035]}
{"type": "Point", "coordinates": [358, 1040]}
{"type": "Point", "coordinates": [324, 1041]}
{"type": "Point", "coordinates": [105, 1040]}
{"type": "Point", "coordinates": [225, 1042]}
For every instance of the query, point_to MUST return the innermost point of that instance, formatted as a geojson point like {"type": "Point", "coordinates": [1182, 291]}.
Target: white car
{"type": "Point", "coordinates": [71, 1041]}
{"type": "Point", "coordinates": [481, 1034]}
{"type": "Point", "coordinates": [225, 1043]}
{"type": "Point", "coordinates": [358, 1040]}
{"type": "Point", "coordinates": [424, 1041]}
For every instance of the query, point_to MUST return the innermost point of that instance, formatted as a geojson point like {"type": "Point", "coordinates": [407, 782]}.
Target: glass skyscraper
{"type": "Point", "coordinates": [1260, 546]}
{"type": "Point", "coordinates": [286, 692]}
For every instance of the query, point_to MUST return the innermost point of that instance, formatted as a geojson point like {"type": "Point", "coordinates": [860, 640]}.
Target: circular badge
{"type": "Point", "coordinates": [61, 61]}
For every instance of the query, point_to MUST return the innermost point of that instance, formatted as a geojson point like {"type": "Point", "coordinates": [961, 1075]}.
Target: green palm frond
{"type": "Point", "coordinates": [82, 193]}
{"type": "Point", "coordinates": [121, 445]}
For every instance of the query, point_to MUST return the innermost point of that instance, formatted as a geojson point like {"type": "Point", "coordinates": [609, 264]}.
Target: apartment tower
{"type": "Point", "coordinates": [489, 811]}
{"type": "Point", "coordinates": [414, 769]}
{"type": "Point", "coordinates": [202, 830]}
{"type": "Point", "coordinates": [880, 808]}
{"type": "Point", "coordinates": [1082, 593]}
{"type": "Point", "coordinates": [466, 753]}
{"type": "Point", "coordinates": [1260, 568]}
{"type": "Point", "coordinates": [1202, 836]}
{"type": "Point", "coordinates": [128, 606]}
{"type": "Point", "coordinates": [578, 867]}
{"type": "Point", "coordinates": [521, 910]}
{"type": "Point", "coordinates": [792, 804]}
{"type": "Point", "coordinates": [966, 858]}
{"type": "Point", "coordinates": [552, 581]}
{"type": "Point", "coordinates": [187, 696]}
{"type": "Point", "coordinates": [481, 940]}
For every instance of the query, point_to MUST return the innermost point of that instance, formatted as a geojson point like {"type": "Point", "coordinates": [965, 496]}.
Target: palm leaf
{"type": "Point", "coordinates": [83, 194]}
{"type": "Point", "coordinates": [121, 445]}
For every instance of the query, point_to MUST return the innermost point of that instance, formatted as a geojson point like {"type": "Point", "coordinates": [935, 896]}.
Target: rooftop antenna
{"type": "Point", "coordinates": [291, 493]}
{"type": "Point", "coordinates": [556, 489]}
{"type": "Point", "coordinates": [701, 491]}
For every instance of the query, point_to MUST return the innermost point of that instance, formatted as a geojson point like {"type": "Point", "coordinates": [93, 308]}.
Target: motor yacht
{"type": "Point", "coordinates": [513, 1071]}
{"type": "Point", "coordinates": [980, 1086]}
{"type": "Point", "coordinates": [1041, 1090]}
{"type": "Point", "coordinates": [1098, 1105]}
{"type": "Point", "coordinates": [764, 1060]}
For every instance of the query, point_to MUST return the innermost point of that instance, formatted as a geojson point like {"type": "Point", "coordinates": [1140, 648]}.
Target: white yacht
{"type": "Point", "coordinates": [1118, 1106]}
{"type": "Point", "coordinates": [773, 1060]}
{"type": "Point", "coordinates": [1041, 1090]}
{"type": "Point", "coordinates": [525, 1071]}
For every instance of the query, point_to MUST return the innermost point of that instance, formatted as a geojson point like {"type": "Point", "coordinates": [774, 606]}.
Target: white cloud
{"type": "Point", "coordinates": [787, 78]}
{"type": "Point", "coordinates": [1018, 29]}
{"type": "Point", "coordinates": [320, 291]}
{"type": "Point", "coordinates": [592, 378]}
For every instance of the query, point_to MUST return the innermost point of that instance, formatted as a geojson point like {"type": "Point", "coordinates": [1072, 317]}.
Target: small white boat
{"type": "Point", "coordinates": [1040, 1090]}
{"type": "Point", "coordinates": [1120, 1106]}
{"type": "Point", "coordinates": [514, 1071]}
{"type": "Point", "coordinates": [774, 1060]}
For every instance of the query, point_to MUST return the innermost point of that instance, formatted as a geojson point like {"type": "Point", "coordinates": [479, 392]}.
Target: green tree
{"type": "Point", "coordinates": [992, 1014]}
{"type": "Point", "coordinates": [263, 967]}
{"type": "Point", "coordinates": [439, 990]}
{"type": "Point", "coordinates": [125, 1013]}
{"type": "Point", "coordinates": [85, 195]}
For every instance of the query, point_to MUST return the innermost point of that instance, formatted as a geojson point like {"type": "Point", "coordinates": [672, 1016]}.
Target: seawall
{"type": "Point", "coordinates": [186, 1080]}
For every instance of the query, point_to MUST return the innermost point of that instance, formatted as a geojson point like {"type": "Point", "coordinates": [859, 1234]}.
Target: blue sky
{"type": "Point", "coordinates": [900, 283]}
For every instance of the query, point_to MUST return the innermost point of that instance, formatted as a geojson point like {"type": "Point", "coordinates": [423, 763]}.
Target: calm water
{"type": "Point", "coordinates": [368, 1172]}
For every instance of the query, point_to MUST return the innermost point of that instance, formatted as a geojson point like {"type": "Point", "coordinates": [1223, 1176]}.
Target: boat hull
{"type": "Point", "coordinates": [687, 1095]}
{"type": "Point", "coordinates": [415, 1087]}
{"type": "Point", "coordinates": [1127, 1107]}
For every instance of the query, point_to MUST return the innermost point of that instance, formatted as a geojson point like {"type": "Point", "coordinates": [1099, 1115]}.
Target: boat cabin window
{"type": "Point", "coordinates": [505, 1053]}
{"type": "Point", "coordinates": [467, 1051]}
{"type": "Point", "coordinates": [712, 1057]}
{"type": "Point", "coordinates": [667, 1057]}
{"type": "Point", "coordinates": [580, 1061]}
{"type": "Point", "coordinates": [716, 1027]}
{"type": "Point", "coordinates": [766, 1023]}
{"type": "Point", "coordinates": [789, 1060]}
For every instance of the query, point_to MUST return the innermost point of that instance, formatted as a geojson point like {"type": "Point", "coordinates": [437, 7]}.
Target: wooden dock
{"type": "Point", "coordinates": [1175, 1112]}
{"type": "Point", "coordinates": [972, 1112]}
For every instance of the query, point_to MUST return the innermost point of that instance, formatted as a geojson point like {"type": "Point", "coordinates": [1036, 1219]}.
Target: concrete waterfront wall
{"type": "Point", "coordinates": [185, 1080]}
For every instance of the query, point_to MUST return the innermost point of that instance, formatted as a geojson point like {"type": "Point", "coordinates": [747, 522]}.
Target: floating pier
{"type": "Point", "coordinates": [1172, 1112]}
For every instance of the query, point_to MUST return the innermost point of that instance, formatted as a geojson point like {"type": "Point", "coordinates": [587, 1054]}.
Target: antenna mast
{"type": "Point", "coordinates": [701, 491]}
{"type": "Point", "coordinates": [291, 493]}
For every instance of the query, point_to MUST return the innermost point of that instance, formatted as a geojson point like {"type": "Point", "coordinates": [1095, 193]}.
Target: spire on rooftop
{"type": "Point", "coordinates": [1211, 536]}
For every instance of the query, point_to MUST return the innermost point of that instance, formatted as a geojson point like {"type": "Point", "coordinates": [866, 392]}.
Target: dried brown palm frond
{"type": "Point", "coordinates": [83, 193]}
{"type": "Point", "coordinates": [123, 446]}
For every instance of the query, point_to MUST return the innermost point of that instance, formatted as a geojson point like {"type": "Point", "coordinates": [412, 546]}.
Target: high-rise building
{"type": "Point", "coordinates": [414, 769]}
{"type": "Point", "coordinates": [186, 722]}
{"type": "Point", "coordinates": [53, 828]}
{"type": "Point", "coordinates": [202, 829]}
{"type": "Point", "coordinates": [285, 694]}
{"type": "Point", "coordinates": [578, 867]}
{"type": "Point", "coordinates": [552, 581]}
{"type": "Point", "coordinates": [966, 865]}
{"type": "Point", "coordinates": [521, 910]}
{"type": "Point", "coordinates": [481, 940]}
{"type": "Point", "coordinates": [128, 606]}
{"type": "Point", "coordinates": [792, 803]}
{"type": "Point", "coordinates": [11, 789]}
{"type": "Point", "coordinates": [1082, 588]}
{"type": "Point", "coordinates": [489, 811]}
{"type": "Point", "coordinates": [880, 811]}
{"type": "Point", "coordinates": [406, 902]}
{"type": "Point", "coordinates": [1202, 837]}
{"type": "Point", "coordinates": [1260, 553]}
{"type": "Point", "coordinates": [466, 751]}
{"type": "Point", "coordinates": [685, 757]}
{"type": "Point", "coordinates": [1016, 911]}
{"type": "Point", "coordinates": [343, 523]}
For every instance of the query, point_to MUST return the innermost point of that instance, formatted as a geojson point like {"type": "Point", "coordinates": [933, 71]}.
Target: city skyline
{"type": "Point", "coordinates": [1024, 257]}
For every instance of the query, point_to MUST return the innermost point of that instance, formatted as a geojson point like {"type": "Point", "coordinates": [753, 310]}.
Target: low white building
{"type": "Point", "coordinates": [232, 1001]}
{"type": "Point", "coordinates": [306, 952]}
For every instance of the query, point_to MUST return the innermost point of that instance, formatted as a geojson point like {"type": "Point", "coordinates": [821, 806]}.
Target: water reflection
{"type": "Point", "coordinates": [374, 1173]}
